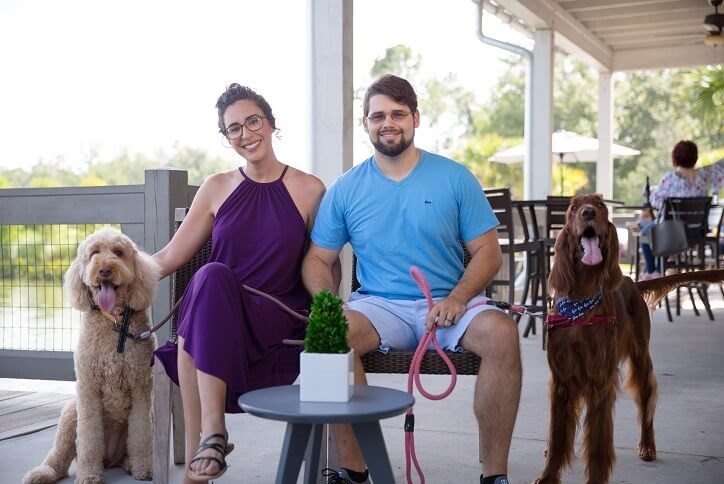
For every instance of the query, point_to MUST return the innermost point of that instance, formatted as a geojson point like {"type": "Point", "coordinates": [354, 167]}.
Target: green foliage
{"type": "Point", "coordinates": [504, 112]}
{"type": "Point", "coordinates": [475, 155]}
{"type": "Point", "coordinates": [447, 107]}
{"type": "Point", "coordinates": [574, 97]}
{"type": "Point", "coordinates": [398, 60]}
{"type": "Point", "coordinates": [654, 110]}
{"type": "Point", "coordinates": [39, 252]}
{"type": "Point", "coordinates": [327, 326]}
{"type": "Point", "coordinates": [704, 92]}
{"type": "Point", "coordinates": [123, 169]}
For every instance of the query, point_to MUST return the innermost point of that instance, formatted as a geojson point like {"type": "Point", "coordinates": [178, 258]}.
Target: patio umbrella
{"type": "Point", "coordinates": [569, 147]}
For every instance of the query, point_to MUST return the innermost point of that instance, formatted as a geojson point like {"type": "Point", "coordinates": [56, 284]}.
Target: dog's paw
{"type": "Point", "coordinates": [89, 479]}
{"type": "Point", "coordinates": [42, 474]}
{"type": "Point", "coordinates": [646, 453]}
{"type": "Point", "coordinates": [142, 474]}
{"type": "Point", "coordinates": [140, 471]}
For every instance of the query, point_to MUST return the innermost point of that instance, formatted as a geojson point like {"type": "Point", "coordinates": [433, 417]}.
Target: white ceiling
{"type": "Point", "coordinates": [618, 35]}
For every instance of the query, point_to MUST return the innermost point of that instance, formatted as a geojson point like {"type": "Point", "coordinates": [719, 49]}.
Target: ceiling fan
{"type": "Point", "coordinates": [714, 24]}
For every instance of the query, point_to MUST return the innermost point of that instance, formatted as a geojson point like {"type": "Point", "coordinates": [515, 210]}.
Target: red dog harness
{"type": "Point", "coordinates": [556, 320]}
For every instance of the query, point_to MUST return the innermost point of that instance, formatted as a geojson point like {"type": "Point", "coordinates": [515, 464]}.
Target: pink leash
{"type": "Point", "coordinates": [414, 375]}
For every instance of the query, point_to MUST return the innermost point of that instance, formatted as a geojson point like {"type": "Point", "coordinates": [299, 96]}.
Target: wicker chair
{"type": "Point", "coordinates": [168, 408]}
{"type": "Point", "coordinates": [398, 361]}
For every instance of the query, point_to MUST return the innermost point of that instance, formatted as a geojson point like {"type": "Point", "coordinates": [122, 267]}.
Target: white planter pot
{"type": "Point", "coordinates": [326, 377]}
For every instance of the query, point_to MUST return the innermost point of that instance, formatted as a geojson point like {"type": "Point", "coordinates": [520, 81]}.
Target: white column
{"type": "Point", "coordinates": [538, 168]}
{"type": "Point", "coordinates": [332, 95]}
{"type": "Point", "coordinates": [604, 164]}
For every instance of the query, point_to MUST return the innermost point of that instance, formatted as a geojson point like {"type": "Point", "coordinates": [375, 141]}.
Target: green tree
{"type": "Point", "coordinates": [123, 169]}
{"type": "Point", "coordinates": [398, 60]}
{"type": "Point", "coordinates": [199, 164]}
{"type": "Point", "coordinates": [574, 94]}
{"type": "Point", "coordinates": [445, 105]}
{"type": "Point", "coordinates": [504, 113]}
{"type": "Point", "coordinates": [654, 110]}
{"type": "Point", "coordinates": [704, 92]}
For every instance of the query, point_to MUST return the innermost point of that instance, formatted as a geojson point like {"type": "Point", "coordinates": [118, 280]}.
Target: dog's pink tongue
{"type": "Point", "coordinates": [107, 297]}
{"type": "Point", "coordinates": [591, 252]}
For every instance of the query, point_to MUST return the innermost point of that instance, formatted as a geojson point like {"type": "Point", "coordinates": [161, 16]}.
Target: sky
{"type": "Point", "coordinates": [90, 79]}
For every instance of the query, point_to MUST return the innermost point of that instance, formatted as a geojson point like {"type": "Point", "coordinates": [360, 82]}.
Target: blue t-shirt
{"type": "Point", "coordinates": [393, 225]}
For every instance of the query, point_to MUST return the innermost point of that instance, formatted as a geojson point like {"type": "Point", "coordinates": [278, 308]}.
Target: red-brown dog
{"type": "Point", "coordinates": [599, 319]}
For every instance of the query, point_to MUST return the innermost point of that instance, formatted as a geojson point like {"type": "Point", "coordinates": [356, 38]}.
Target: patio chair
{"type": "Point", "coordinates": [715, 239]}
{"type": "Point", "coordinates": [556, 207]}
{"type": "Point", "coordinates": [518, 234]}
{"type": "Point", "coordinates": [694, 212]}
{"type": "Point", "coordinates": [398, 361]}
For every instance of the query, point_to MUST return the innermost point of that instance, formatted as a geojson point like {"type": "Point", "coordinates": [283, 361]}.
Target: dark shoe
{"type": "Point", "coordinates": [340, 476]}
{"type": "Point", "coordinates": [498, 480]}
{"type": "Point", "coordinates": [223, 449]}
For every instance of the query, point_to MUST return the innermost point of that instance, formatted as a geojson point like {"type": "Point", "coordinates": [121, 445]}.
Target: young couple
{"type": "Point", "coordinates": [262, 216]}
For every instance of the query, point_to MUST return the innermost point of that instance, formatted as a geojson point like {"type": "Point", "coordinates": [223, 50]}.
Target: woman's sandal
{"type": "Point", "coordinates": [223, 449]}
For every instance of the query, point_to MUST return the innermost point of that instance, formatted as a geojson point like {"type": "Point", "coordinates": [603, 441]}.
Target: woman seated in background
{"type": "Point", "coordinates": [683, 181]}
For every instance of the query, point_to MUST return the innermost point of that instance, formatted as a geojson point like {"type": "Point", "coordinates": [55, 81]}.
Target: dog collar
{"type": "Point", "coordinates": [577, 308]}
{"type": "Point", "coordinates": [572, 312]}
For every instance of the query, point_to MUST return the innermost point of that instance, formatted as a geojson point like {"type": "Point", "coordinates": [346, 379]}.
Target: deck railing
{"type": "Point", "coordinates": [39, 232]}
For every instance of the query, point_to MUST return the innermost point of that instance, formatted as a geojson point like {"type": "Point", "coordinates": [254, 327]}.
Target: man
{"type": "Point", "coordinates": [404, 207]}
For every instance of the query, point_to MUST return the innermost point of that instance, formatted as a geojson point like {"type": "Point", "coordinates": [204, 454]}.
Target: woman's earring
{"type": "Point", "coordinates": [278, 133]}
{"type": "Point", "coordinates": [225, 142]}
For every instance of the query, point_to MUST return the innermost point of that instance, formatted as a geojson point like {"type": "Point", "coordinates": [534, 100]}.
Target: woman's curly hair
{"type": "Point", "coordinates": [236, 92]}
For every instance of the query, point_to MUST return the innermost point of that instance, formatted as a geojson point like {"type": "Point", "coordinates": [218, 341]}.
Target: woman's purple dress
{"type": "Point", "coordinates": [258, 239]}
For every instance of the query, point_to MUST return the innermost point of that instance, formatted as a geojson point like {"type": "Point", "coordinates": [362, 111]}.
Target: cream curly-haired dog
{"type": "Point", "coordinates": [109, 421]}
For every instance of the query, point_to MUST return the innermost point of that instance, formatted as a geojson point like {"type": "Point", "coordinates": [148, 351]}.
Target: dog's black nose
{"type": "Point", "coordinates": [104, 272]}
{"type": "Point", "coordinates": [588, 214]}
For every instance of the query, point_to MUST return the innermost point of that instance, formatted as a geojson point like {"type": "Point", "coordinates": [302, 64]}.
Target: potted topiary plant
{"type": "Point", "coordinates": [327, 363]}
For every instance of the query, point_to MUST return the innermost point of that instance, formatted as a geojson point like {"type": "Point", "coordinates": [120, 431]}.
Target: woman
{"type": "Point", "coordinates": [683, 181]}
{"type": "Point", "coordinates": [229, 340]}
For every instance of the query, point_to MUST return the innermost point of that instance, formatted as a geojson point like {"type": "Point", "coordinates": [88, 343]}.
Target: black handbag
{"type": "Point", "coordinates": [668, 237]}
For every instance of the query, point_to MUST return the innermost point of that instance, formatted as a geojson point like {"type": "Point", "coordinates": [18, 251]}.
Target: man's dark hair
{"type": "Point", "coordinates": [236, 92]}
{"type": "Point", "coordinates": [685, 154]}
{"type": "Point", "coordinates": [396, 88]}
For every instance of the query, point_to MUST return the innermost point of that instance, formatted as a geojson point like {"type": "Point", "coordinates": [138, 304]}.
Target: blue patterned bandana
{"type": "Point", "coordinates": [576, 309]}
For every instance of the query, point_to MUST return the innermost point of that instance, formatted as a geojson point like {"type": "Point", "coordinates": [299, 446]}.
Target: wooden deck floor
{"type": "Point", "coordinates": [25, 412]}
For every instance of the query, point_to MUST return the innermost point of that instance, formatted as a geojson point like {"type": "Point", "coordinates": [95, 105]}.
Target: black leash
{"type": "Point", "coordinates": [517, 308]}
{"type": "Point", "coordinates": [123, 331]}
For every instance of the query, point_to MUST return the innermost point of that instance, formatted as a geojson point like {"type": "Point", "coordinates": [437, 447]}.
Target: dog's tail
{"type": "Point", "coordinates": [654, 290]}
{"type": "Point", "coordinates": [57, 462]}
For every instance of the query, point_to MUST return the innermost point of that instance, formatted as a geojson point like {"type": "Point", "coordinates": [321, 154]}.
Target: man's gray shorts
{"type": "Point", "coordinates": [401, 323]}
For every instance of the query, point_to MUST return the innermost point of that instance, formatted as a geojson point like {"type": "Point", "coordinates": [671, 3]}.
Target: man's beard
{"type": "Point", "coordinates": [393, 150]}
